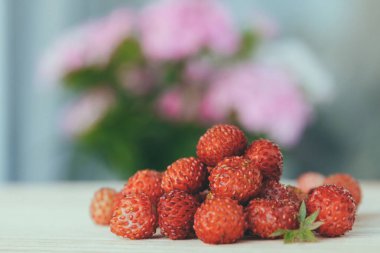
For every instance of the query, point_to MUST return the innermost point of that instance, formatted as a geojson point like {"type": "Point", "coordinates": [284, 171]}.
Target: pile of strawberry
{"type": "Point", "coordinates": [230, 190]}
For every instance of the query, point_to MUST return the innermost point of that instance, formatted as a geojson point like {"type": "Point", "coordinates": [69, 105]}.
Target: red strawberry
{"type": "Point", "coordinates": [102, 206]}
{"type": "Point", "coordinates": [301, 196]}
{"type": "Point", "coordinates": [135, 218]}
{"type": "Point", "coordinates": [185, 174]}
{"type": "Point", "coordinates": [348, 182]}
{"type": "Point", "coordinates": [145, 181]}
{"type": "Point", "coordinates": [219, 221]}
{"type": "Point", "coordinates": [219, 142]}
{"type": "Point", "coordinates": [310, 180]}
{"type": "Point", "coordinates": [176, 211]}
{"type": "Point", "coordinates": [336, 209]}
{"type": "Point", "coordinates": [265, 216]}
{"type": "Point", "coordinates": [235, 177]}
{"type": "Point", "coordinates": [272, 189]}
{"type": "Point", "coordinates": [117, 200]}
{"type": "Point", "coordinates": [268, 158]}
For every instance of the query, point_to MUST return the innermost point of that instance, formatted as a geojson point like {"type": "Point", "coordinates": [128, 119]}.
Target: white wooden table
{"type": "Point", "coordinates": [54, 218]}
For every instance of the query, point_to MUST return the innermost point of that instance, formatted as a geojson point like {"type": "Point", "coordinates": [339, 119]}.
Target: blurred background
{"type": "Point", "coordinates": [136, 88]}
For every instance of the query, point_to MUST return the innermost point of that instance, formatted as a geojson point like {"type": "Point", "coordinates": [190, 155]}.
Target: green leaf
{"type": "Point", "coordinates": [302, 213]}
{"type": "Point", "coordinates": [306, 227]}
{"type": "Point", "coordinates": [128, 52]}
{"type": "Point", "coordinates": [289, 237]}
{"type": "Point", "coordinates": [308, 236]}
{"type": "Point", "coordinates": [85, 77]}
{"type": "Point", "coordinates": [278, 232]}
{"type": "Point", "coordinates": [247, 43]}
{"type": "Point", "coordinates": [172, 73]}
{"type": "Point", "coordinates": [310, 220]}
{"type": "Point", "coordinates": [315, 225]}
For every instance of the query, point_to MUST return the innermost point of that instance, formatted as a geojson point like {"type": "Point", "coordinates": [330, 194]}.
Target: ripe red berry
{"type": "Point", "coordinates": [135, 218]}
{"type": "Point", "coordinates": [348, 182]}
{"type": "Point", "coordinates": [336, 209]}
{"type": "Point", "coordinates": [310, 180]}
{"type": "Point", "coordinates": [219, 221]}
{"type": "Point", "coordinates": [145, 181]}
{"type": "Point", "coordinates": [117, 200]}
{"type": "Point", "coordinates": [265, 216]}
{"type": "Point", "coordinates": [185, 174]}
{"type": "Point", "coordinates": [235, 177]}
{"type": "Point", "coordinates": [219, 142]}
{"type": "Point", "coordinates": [176, 211]}
{"type": "Point", "coordinates": [301, 196]}
{"type": "Point", "coordinates": [102, 206]}
{"type": "Point", "coordinates": [272, 189]}
{"type": "Point", "coordinates": [267, 156]}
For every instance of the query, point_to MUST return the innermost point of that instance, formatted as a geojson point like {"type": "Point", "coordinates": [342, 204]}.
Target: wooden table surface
{"type": "Point", "coordinates": [54, 218]}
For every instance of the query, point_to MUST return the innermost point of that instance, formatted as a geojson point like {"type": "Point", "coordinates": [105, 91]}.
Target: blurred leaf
{"type": "Point", "coordinates": [247, 44]}
{"type": "Point", "coordinates": [85, 78]}
{"type": "Point", "coordinates": [133, 137]}
{"type": "Point", "coordinates": [128, 52]}
{"type": "Point", "coordinates": [173, 72]}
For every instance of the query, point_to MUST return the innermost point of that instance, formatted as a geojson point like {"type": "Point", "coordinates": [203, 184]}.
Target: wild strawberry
{"type": "Point", "coordinates": [117, 200]}
{"type": "Point", "coordinates": [267, 156]}
{"type": "Point", "coordinates": [185, 174]}
{"type": "Point", "coordinates": [219, 221]}
{"type": "Point", "coordinates": [301, 196]}
{"type": "Point", "coordinates": [310, 180]}
{"type": "Point", "coordinates": [336, 209]}
{"type": "Point", "coordinates": [219, 142]}
{"type": "Point", "coordinates": [235, 177]}
{"type": "Point", "coordinates": [304, 232]}
{"type": "Point", "coordinates": [135, 218]}
{"type": "Point", "coordinates": [176, 211]}
{"type": "Point", "coordinates": [265, 216]}
{"type": "Point", "coordinates": [145, 181]}
{"type": "Point", "coordinates": [348, 182]}
{"type": "Point", "coordinates": [272, 189]}
{"type": "Point", "coordinates": [102, 206]}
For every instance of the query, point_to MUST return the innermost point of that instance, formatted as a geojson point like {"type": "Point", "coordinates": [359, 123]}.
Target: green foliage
{"type": "Point", "coordinates": [133, 138]}
{"type": "Point", "coordinates": [127, 53]}
{"type": "Point", "coordinates": [173, 73]}
{"type": "Point", "coordinates": [305, 231]}
{"type": "Point", "coordinates": [247, 44]}
{"type": "Point", "coordinates": [86, 78]}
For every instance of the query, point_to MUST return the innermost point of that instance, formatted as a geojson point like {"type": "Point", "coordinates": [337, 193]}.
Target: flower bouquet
{"type": "Point", "coordinates": [144, 83]}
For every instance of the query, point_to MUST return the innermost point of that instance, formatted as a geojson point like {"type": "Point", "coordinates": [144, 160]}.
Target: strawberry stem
{"type": "Point", "coordinates": [306, 227]}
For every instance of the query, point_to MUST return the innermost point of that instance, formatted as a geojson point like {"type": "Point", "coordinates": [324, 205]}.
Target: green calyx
{"type": "Point", "coordinates": [305, 231]}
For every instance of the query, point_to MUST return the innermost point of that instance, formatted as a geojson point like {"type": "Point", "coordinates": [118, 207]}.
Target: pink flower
{"type": "Point", "coordinates": [136, 80]}
{"type": "Point", "coordinates": [170, 104]}
{"type": "Point", "coordinates": [87, 111]}
{"type": "Point", "coordinates": [88, 45]}
{"type": "Point", "coordinates": [175, 29]}
{"type": "Point", "coordinates": [198, 72]}
{"type": "Point", "coordinates": [265, 100]}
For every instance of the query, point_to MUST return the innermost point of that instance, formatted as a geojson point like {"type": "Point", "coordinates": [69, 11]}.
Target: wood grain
{"type": "Point", "coordinates": [54, 218]}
